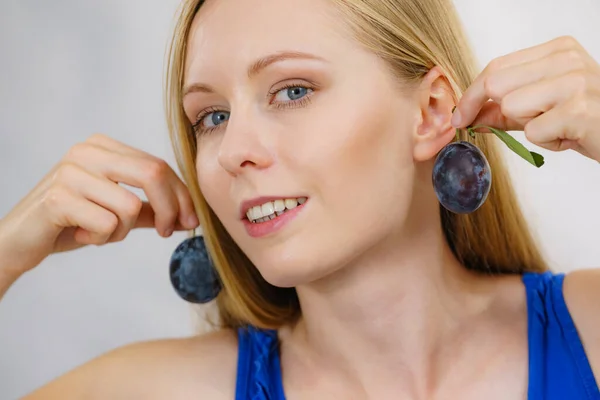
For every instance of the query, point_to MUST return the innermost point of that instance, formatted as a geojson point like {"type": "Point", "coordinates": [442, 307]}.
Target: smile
{"type": "Point", "coordinates": [272, 209]}
{"type": "Point", "coordinates": [265, 216]}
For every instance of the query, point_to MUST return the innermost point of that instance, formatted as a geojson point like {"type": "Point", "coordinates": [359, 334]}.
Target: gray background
{"type": "Point", "coordinates": [70, 68]}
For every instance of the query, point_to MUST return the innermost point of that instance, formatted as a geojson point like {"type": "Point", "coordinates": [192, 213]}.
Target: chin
{"type": "Point", "coordinates": [290, 267]}
{"type": "Point", "coordinates": [307, 261]}
{"type": "Point", "coordinates": [288, 272]}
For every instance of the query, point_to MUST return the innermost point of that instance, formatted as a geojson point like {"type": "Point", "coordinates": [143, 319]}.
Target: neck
{"type": "Point", "coordinates": [397, 310]}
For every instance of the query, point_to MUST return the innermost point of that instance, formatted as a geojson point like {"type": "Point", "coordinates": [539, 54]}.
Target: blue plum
{"type": "Point", "coordinates": [461, 177]}
{"type": "Point", "coordinates": [192, 273]}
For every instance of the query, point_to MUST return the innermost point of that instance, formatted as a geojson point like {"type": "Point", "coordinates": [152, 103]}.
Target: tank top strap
{"type": "Point", "coordinates": [259, 369]}
{"type": "Point", "coordinates": [558, 365]}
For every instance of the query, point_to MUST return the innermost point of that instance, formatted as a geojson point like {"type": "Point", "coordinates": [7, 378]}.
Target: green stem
{"type": "Point", "coordinates": [514, 145]}
{"type": "Point", "coordinates": [529, 156]}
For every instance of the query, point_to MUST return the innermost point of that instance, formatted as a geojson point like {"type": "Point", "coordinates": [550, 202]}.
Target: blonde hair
{"type": "Point", "coordinates": [412, 36]}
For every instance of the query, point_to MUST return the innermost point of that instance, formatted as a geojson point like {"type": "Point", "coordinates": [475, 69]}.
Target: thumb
{"type": "Point", "coordinates": [145, 218]}
{"type": "Point", "coordinates": [491, 115]}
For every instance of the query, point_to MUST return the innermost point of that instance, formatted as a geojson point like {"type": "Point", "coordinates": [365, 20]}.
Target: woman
{"type": "Point", "coordinates": [365, 287]}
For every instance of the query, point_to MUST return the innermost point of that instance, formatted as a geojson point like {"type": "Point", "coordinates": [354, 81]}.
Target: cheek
{"type": "Point", "coordinates": [372, 186]}
{"type": "Point", "coordinates": [359, 171]}
{"type": "Point", "coordinates": [213, 180]}
{"type": "Point", "coordinates": [360, 153]}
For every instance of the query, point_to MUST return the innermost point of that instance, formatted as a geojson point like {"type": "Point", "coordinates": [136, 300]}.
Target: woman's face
{"type": "Point", "coordinates": [291, 111]}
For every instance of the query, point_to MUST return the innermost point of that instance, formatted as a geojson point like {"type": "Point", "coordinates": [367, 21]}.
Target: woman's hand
{"type": "Point", "coordinates": [80, 202]}
{"type": "Point", "coordinates": [550, 91]}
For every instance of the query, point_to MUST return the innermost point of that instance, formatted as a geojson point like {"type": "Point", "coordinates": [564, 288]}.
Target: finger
{"type": "Point", "coordinates": [187, 214]}
{"type": "Point", "coordinates": [566, 126]}
{"type": "Point", "coordinates": [111, 144]}
{"type": "Point", "coordinates": [67, 208]}
{"type": "Point", "coordinates": [491, 115]}
{"type": "Point", "coordinates": [155, 178]}
{"type": "Point", "coordinates": [539, 51]}
{"type": "Point", "coordinates": [526, 103]}
{"type": "Point", "coordinates": [146, 218]}
{"type": "Point", "coordinates": [509, 79]}
{"type": "Point", "coordinates": [477, 94]}
{"type": "Point", "coordinates": [152, 175]}
{"type": "Point", "coordinates": [116, 199]}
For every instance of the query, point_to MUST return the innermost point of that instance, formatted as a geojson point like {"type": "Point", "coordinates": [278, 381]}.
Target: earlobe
{"type": "Point", "coordinates": [436, 101]}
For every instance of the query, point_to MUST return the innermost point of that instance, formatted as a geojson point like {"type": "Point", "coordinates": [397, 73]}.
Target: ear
{"type": "Point", "coordinates": [436, 101]}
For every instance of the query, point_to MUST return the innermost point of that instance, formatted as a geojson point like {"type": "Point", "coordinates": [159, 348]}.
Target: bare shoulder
{"type": "Point", "coordinates": [188, 368]}
{"type": "Point", "coordinates": [581, 290]}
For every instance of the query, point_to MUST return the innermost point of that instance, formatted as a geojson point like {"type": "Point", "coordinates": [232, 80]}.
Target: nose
{"type": "Point", "coordinates": [243, 147]}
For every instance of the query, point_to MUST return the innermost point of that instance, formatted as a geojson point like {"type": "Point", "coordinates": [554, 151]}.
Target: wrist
{"type": "Point", "coordinates": [9, 272]}
{"type": "Point", "coordinates": [7, 278]}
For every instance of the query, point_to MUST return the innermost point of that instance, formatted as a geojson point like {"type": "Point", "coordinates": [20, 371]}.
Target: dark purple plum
{"type": "Point", "coordinates": [192, 273]}
{"type": "Point", "coordinates": [461, 177]}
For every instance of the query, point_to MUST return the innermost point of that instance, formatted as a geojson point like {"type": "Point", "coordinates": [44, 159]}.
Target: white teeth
{"type": "Point", "coordinates": [267, 209]}
{"type": "Point", "coordinates": [272, 209]}
{"type": "Point", "coordinates": [291, 203]}
{"type": "Point", "coordinates": [256, 212]}
{"type": "Point", "coordinates": [279, 205]}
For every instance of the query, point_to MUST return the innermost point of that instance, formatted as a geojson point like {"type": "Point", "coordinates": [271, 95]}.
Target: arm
{"type": "Point", "coordinates": [7, 275]}
{"type": "Point", "coordinates": [80, 202]}
{"type": "Point", "coordinates": [6, 281]}
{"type": "Point", "coordinates": [582, 294]}
{"type": "Point", "coordinates": [201, 367]}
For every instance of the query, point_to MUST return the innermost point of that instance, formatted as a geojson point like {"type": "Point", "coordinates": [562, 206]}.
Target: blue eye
{"type": "Point", "coordinates": [292, 93]}
{"type": "Point", "coordinates": [215, 118]}
{"type": "Point", "coordinates": [292, 96]}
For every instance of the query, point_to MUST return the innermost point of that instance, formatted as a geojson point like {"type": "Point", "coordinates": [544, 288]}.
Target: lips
{"type": "Point", "coordinates": [259, 202]}
{"type": "Point", "coordinates": [268, 226]}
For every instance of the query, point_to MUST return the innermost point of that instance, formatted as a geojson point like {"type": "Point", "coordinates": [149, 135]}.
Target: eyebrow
{"type": "Point", "coordinates": [255, 68]}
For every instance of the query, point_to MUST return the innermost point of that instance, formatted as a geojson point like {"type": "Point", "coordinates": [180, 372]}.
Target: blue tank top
{"type": "Point", "coordinates": [558, 366]}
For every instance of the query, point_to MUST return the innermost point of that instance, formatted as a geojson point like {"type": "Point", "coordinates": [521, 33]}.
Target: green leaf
{"type": "Point", "coordinates": [513, 144]}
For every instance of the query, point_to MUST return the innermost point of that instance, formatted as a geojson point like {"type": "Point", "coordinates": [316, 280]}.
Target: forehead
{"type": "Point", "coordinates": [230, 33]}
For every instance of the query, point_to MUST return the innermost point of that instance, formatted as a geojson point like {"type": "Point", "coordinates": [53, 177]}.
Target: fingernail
{"type": "Point", "coordinates": [456, 118]}
{"type": "Point", "coordinates": [168, 232]}
{"type": "Point", "coordinates": [192, 221]}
